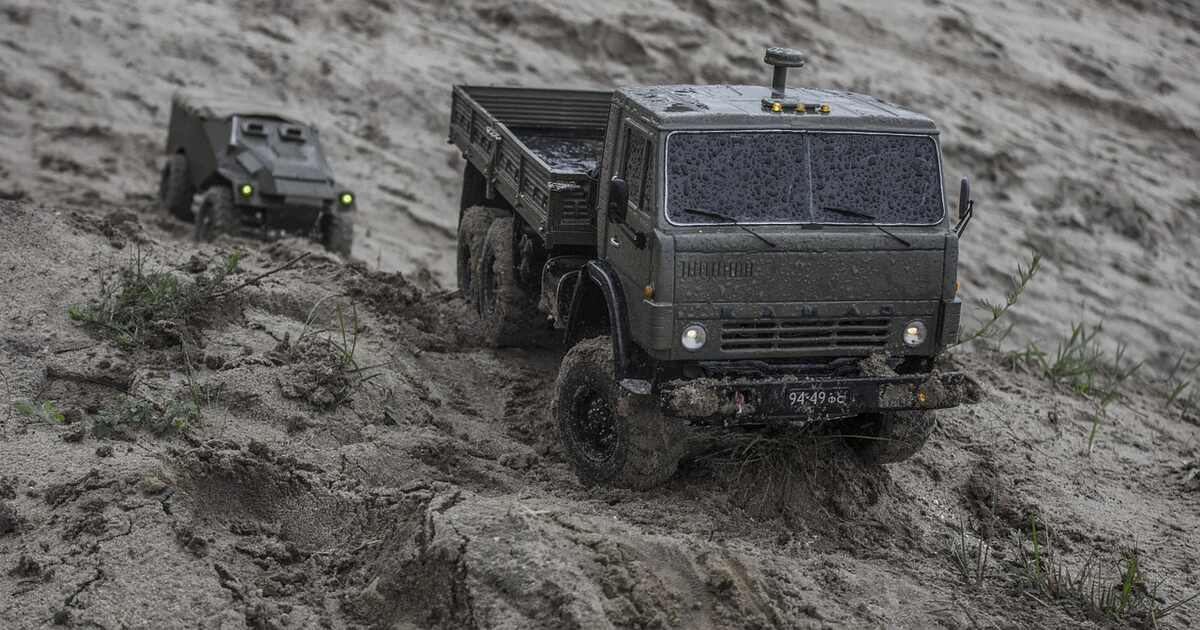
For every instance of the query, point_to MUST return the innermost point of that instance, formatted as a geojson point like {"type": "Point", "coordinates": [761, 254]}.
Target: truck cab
{"type": "Point", "coordinates": [757, 256]}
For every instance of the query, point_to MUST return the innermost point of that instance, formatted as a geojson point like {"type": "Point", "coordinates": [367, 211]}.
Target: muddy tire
{"type": "Point", "coordinates": [887, 438]}
{"type": "Point", "coordinates": [338, 235]}
{"type": "Point", "coordinates": [472, 229]}
{"type": "Point", "coordinates": [610, 436]}
{"type": "Point", "coordinates": [217, 214]}
{"type": "Point", "coordinates": [175, 190]}
{"type": "Point", "coordinates": [507, 311]}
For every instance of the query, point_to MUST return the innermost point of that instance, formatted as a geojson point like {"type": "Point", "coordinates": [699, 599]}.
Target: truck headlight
{"type": "Point", "coordinates": [694, 337]}
{"type": "Point", "coordinates": [914, 333]}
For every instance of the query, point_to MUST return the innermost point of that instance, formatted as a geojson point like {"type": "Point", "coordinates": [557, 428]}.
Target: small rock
{"type": "Point", "coordinates": [74, 435]}
{"type": "Point", "coordinates": [26, 568]}
{"type": "Point", "coordinates": [195, 264]}
{"type": "Point", "coordinates": [260, 450]}
{"type": "Point", "coordinates": [8, 519]}
{"type": "Point", "coordinates": [214, 361]}
{"type": "Point", "coordinates": [152, 484]}
{"type": "Point", "coordinates": [104, 451]}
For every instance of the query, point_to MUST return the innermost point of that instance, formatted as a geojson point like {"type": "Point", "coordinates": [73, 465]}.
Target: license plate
{"type": "Point", "coordinates": [818, 398]}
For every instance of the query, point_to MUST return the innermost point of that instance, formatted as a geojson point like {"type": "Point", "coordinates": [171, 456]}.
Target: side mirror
{"type": "Point", "coordinates": [966, 207]}
{"type": "Point", "coordinates": [618, 199]}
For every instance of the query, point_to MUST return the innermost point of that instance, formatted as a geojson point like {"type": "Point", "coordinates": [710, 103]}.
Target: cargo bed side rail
{"type": "Point", "coordinates": [555, 203]}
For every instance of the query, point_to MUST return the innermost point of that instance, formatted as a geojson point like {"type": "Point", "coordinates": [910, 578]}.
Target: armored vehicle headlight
{"type": "Point", "coordinates": [247, 190]}
{"type": "Point", "coordinates": [346, 199]}
{"type": "Point", "coordinates": [694, 337]}
{"type": "Point", "coordinates": [914, 333]}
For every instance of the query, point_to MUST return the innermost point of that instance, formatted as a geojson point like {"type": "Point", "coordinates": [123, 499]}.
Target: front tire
{"type": "Point", "coordinates": [888, 438]}
{"type": "Point", "coordinates": [508, 314]}
{"type": "Point", "coordinates": [175, 190]}
{"type": "Point", "coordinates": [217, 214]}
{"type": "Point", "coordinates": [610, 436]}
{"type": "Point", "coordinates": [339, 234]}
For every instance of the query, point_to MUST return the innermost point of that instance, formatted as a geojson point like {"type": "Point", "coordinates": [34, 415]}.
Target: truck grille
{"type": "Point", "coordinates": [739, 335]}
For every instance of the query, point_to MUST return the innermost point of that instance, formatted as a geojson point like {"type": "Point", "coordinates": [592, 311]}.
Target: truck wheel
{"type": "Point", "coordinates": [611, 436]}
{"type": "Point", "coordinates": [217, 214]}
{"type": "Point", "coordinates": [472, 229]}
{"type": "Point", "coordinates": [887, 438]}
{"type": "Point", "coordinates": [507, 311]}
{"type": "Point", "coordinates": [175, 190]}
{"type": "Point", "coordinates": [339, 234]}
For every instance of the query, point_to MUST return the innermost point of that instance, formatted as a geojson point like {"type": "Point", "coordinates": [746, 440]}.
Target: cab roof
{"type": "Point", "coordinates": [220, 106]}
{"type": "Point", "coordinates": [698, 106]}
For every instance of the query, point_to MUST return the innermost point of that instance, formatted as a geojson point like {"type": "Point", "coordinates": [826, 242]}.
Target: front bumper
{"type": "Point", "coordinates": [747, 401]}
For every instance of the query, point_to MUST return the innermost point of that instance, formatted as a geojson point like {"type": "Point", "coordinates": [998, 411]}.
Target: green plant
{"type": "Point", "coordinates": [137, 307]}
{"type": "Point", "coordinates": [970, 558]}
{"type": "Point", "coordinates": [1081, 362]}
{"type": "Point", "coordinates": [140, 307]}
{"type": "Point", "coordinates": [1179, 379]}
{"type": "Point", "coordinates": [1114, 587]}
{"type": "Point", "coordinates": [990, 332]}
{"type": "Point", "coordinates": [131, 415]}
{"type": "Point", "coordinates": [46, 410]}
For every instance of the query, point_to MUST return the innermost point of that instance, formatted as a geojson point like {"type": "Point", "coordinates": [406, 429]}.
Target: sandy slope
{"type": "Point", "coordinates": [438, 498]}
{"type": "Point", "coordinates": [1078, 123]}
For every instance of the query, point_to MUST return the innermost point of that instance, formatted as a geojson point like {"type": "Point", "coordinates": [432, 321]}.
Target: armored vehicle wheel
{"type": "Point", "coordinates": [339, 234]}
{"type": "Point", "coordinates": [508, 312]}
{"type": "Point", "coordinates": [611, 436]}
{"type": "Point", "coordinates": [217, 214]}
{"type": "Point", "coordinates": [472, 229]}
{"type": "Point", "coordinates": [887, 438]}
{"type": "Point", "coordinates": [175, 190]}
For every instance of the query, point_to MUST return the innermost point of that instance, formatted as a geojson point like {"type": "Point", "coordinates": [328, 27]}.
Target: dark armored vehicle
{"type": "Point", "coordinates": [718, 256]}
{"type": "Point", "coordinates": [260, 171]}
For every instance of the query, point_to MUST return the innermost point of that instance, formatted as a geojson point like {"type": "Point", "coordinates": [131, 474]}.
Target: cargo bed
{"type": "Point", "coordinates": [538, 149]}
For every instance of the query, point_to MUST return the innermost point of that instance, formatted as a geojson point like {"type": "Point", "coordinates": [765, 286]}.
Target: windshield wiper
{"type": "Point", "coordinates": [869, 217]}
{"type": "Point", "coordinates": [725, 217]}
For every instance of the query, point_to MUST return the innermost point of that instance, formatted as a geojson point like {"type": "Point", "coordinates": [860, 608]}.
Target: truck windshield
{"type": "Point", "coordinates": [804, 177]}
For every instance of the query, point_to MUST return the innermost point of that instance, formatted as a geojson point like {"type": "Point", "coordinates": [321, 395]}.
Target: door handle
{"type": "Point", "coordinates": [612, 240]}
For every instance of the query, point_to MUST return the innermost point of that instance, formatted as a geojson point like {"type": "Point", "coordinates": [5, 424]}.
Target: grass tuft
{"type": "Point", "coordinates": [139, 307]}
{"type": "Point", "coordinates": [132, 415]}
{"type": "Point", "coordinates": [1115, 587]}
{"type": "Point", "coordinates": [970, 557]}
{"type": "Point", "coordinates": [46, 410]}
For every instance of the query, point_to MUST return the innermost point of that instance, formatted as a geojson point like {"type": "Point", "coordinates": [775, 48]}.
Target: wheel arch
{"type": "Point", "coordinates": [598, 300]}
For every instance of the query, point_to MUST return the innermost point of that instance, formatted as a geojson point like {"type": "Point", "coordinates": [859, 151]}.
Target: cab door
{"type": "Point", "coordinates": [627, 244]}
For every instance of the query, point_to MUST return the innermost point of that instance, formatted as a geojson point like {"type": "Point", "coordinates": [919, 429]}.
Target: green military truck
{"type": "Point", "coordinates": [716, 256]}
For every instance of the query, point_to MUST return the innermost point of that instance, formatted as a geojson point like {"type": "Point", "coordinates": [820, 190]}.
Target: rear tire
{"type": "Point", "coordinates": [888, 438]}
{"type": "Point", "coordinates": [472, 229]}
{"type": "Point", "coordinates": [175, 190]}
{"type": "Point", "coordinates": [217, 214]}
{"type": "Point", "coordinates": [508, 312]}
{"type": "Point", "coordinates": [339, 234]}
{"type": "Point", "coordinates": [611, 436]}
